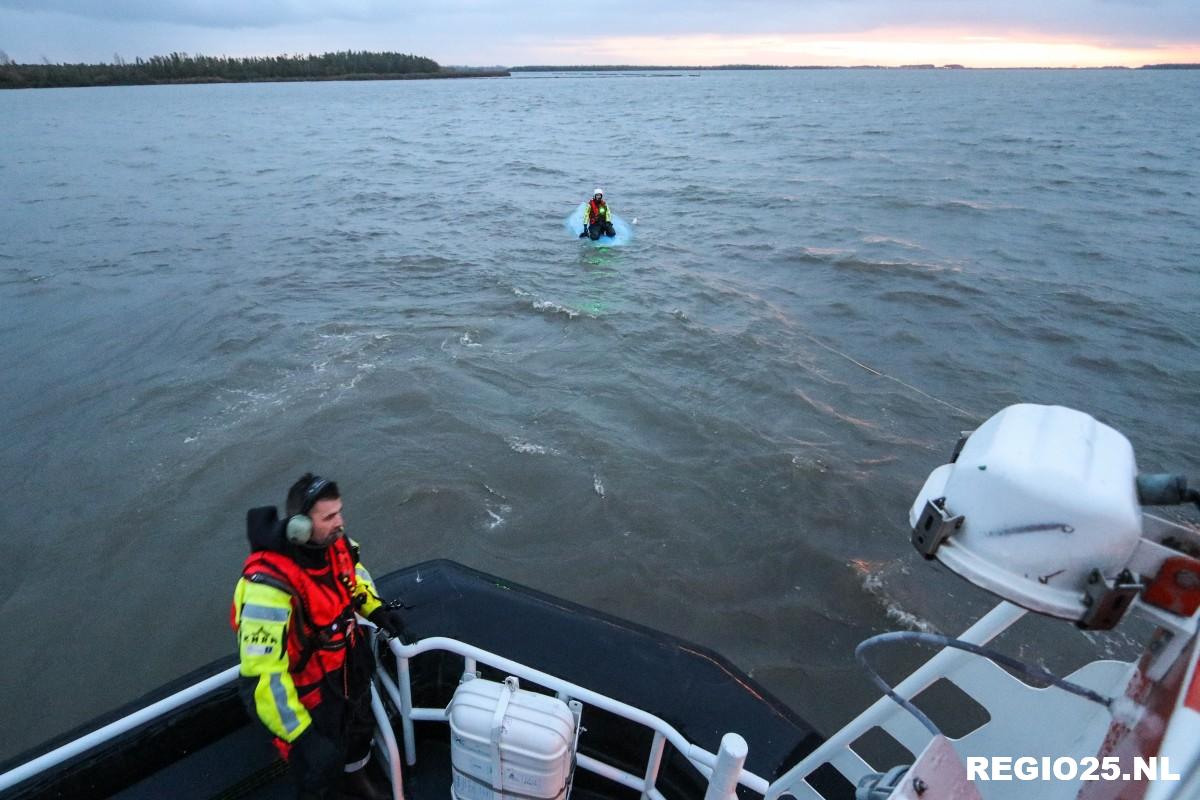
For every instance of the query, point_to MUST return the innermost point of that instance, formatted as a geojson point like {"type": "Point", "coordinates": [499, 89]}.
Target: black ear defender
{"type": "Point", "coordinates": [300, 526]}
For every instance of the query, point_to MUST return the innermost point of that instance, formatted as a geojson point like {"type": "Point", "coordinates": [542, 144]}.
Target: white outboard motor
{"type": "Point", "coordinates": [1039, 506]}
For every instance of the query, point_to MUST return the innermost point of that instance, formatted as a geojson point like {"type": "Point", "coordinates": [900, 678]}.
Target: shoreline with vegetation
{"type": "Point", "coordinates": [181, 68]}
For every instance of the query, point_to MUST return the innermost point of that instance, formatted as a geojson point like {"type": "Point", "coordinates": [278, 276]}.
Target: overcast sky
{"type": "Point", "coordinates": [699, 32]}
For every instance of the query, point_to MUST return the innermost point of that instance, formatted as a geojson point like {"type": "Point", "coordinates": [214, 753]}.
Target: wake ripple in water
{"type": "Point", "coordinates": [833, 273]}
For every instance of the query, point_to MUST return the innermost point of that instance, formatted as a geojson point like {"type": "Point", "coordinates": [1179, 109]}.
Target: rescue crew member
{"type": "Point", "coordinates": [597, 219]}
{"type": "Point", "coordinates": [305, 661]}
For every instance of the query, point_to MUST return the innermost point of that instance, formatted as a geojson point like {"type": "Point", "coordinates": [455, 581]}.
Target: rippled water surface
{"type": "Point", "coordinates": [715, 429]}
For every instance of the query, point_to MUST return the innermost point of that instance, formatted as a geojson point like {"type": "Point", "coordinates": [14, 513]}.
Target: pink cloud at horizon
{"type": "Point", "coordinates": [891, 47]}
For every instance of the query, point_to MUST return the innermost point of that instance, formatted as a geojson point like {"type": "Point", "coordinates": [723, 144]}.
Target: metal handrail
{"type": "Point", "coordinates": [704, 761]}
{"type": "Point", "coordinates": [389, 743]}
{"type": "Point", "coordinates": [111, 731]}
{"type": "Point", "coordinates": [988, 627]}
{"type": "Point", "coordinates": [400, 692]}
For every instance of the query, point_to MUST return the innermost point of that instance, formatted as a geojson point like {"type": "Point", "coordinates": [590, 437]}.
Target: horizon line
{"type": "Point", "coordinates": [737, 66]}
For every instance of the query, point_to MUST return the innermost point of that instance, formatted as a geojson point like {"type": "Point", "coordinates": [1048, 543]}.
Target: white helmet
{"type": "Point", "coordinates": [599, 192]}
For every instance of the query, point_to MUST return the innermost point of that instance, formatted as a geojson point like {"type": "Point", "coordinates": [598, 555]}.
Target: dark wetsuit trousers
{"type": "Point", "coordinates": [341, 730]}
{"type": "Point", "coordinates": [601, 226]}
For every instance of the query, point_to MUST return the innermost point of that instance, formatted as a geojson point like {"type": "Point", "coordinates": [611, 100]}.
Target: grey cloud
{"type": "Point", "coordinates": [506, 31]}
{"type": "Point", "coordinates": [222, 13]}
{"type": "Point", "coordinates": [1174, 19]}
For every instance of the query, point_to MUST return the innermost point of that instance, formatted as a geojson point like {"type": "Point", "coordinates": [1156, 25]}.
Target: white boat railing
{"type": "Point", "coordinates": [1022, 720]}
{"type": "Point", "coordinates": [111, 731]}
{"type": "Point", "coordinates": [723, 770]}
{"type": "Point", "coordinates": [1013, 707]}
{"type": "Point", "coordinates": [838, 752]}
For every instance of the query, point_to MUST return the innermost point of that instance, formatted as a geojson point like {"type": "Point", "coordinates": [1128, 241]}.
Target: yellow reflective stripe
{"type": "Point", "coordinates": [259, 595]}
{"type": "Point", "coordinates": [262, 613]}
{"type": "Point", "coordinates": [265, 613]}
{"type": "Point", "coordinates": [279, 707]}
{"type": "Point", "coordinates": [280, 695]}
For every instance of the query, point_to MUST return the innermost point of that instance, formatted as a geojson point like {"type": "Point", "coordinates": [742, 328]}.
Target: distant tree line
{"type": "Point", "coordinates": [184, 68]}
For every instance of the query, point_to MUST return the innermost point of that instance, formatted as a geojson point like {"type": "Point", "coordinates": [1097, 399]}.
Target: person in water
{"type": "Point", "coordinates": [597, 219]}
{"type": "Point", "coordinates": [305, 660]}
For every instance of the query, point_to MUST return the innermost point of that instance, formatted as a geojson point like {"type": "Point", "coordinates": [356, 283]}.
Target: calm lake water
{"type": "Point", "coordinates": [715, 429]}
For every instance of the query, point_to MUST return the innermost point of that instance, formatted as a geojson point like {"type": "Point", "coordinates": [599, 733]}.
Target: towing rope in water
{"type": "Point", "coordinates": [909, 386]}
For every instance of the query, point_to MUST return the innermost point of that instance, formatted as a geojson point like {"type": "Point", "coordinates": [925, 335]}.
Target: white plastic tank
{"type": "Point", "coordinates": [508, 743]}
{"type": "Point", "coordinates": [1048, 495]}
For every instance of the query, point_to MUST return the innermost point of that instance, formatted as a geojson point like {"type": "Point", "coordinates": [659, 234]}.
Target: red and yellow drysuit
{"type": "Point", "coordinates": [295, 622]}
{"type": "Point", "coordinates": [596, 211]}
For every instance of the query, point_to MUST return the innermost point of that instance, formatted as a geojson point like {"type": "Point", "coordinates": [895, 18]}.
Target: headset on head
{"type": "Point", "coordinates": [300, 526]}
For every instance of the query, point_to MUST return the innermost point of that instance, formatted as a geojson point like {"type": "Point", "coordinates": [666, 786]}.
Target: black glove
{"type": "Point", "coordinates": [390, 622]}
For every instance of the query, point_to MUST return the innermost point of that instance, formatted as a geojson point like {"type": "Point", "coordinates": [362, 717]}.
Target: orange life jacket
{"type": "Point", "coordinates": [322, 623]}
{"type": "Point", "coordinates": [594, 212]}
